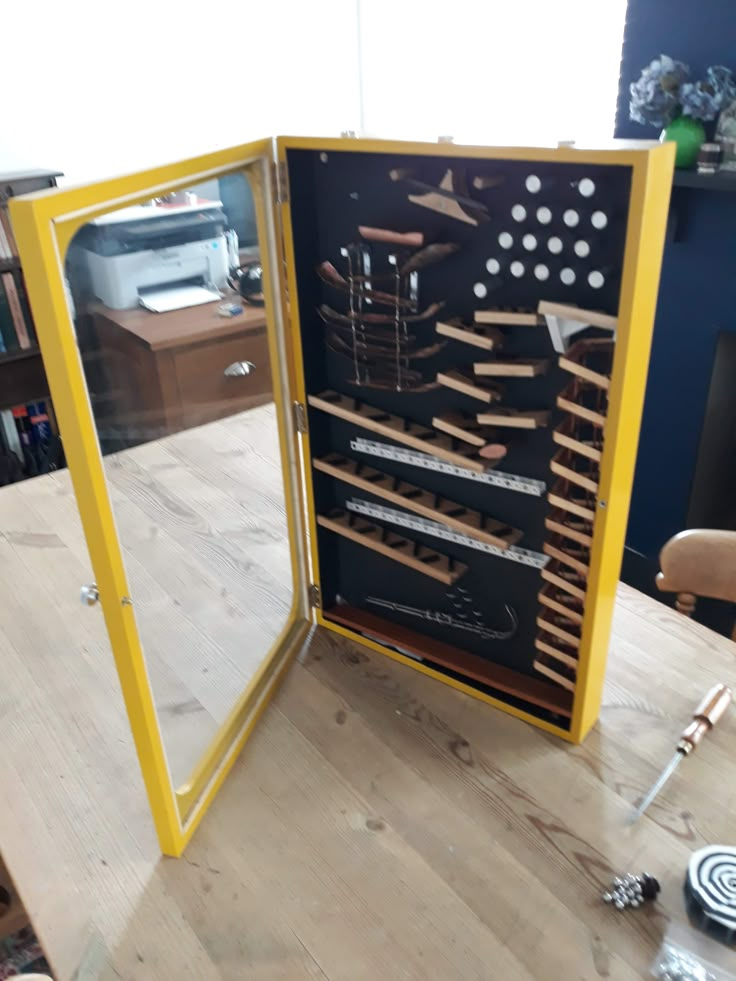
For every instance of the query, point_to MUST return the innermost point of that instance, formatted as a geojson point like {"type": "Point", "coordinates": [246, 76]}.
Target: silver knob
{"type": "Point", "coordinates": [239, 368]}
{"type": "Point", "coordinates": [89, 595]}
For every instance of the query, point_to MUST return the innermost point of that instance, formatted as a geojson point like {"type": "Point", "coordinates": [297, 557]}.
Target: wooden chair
{"type": "Point", "coordinates": [699, 562]}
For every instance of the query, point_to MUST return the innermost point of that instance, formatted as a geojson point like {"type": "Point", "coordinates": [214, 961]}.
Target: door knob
{"type": "Point", "coordinates": [239, 368]}
{"type": "Point", "coordinates": [89, 595]}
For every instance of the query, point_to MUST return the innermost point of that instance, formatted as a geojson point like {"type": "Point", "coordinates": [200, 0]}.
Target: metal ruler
{"type": "Point", "coordinates": [405, 520]}
{"type": "Point", "coordinates": [509, 481]}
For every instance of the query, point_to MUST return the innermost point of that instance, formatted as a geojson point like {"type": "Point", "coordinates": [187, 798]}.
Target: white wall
{"type": "Point", "coordinates": [97, 89]}
{"type": "Point", "coordinates": [491, 71]}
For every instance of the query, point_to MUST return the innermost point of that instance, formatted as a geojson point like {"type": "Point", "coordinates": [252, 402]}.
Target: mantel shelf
{"type": "Point", "coordinates": [723, 181]}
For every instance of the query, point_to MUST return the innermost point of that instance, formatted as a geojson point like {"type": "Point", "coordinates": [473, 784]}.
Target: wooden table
{"type": "Point", "coordinates": [165, 371]}
{"type": "Point", "coordinates": [378, 825]}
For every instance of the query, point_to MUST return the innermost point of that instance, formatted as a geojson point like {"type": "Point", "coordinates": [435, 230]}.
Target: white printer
{"type": "Point", "coordinates": [137, 251]}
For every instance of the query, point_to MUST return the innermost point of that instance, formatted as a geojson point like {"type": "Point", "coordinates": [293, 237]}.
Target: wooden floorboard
{"type": "Point", "coordinates": [377, 824]}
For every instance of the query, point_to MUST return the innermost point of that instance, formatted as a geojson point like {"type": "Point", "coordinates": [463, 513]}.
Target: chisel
{"type": "Point", "coordinates": [705, 716]}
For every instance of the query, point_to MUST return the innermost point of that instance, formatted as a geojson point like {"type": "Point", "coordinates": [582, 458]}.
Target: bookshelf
{"type": "Point", "coordinates": [22, 375]}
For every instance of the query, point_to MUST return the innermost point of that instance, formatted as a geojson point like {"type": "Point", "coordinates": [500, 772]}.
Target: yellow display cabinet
{"type": "Point", "coordinates": [458, 340]}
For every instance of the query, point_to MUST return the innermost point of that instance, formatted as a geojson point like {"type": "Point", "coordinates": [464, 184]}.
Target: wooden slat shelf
{"type": "Point", "coordinates": [403, 550]}
{"type": "Point", "coordinates": [422, 502]}
{"type": "Point", "coordinates": [412, 434]}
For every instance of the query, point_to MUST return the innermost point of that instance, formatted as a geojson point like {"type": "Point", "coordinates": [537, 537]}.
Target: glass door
{"type": "Point", "coordinates": [157, 304]}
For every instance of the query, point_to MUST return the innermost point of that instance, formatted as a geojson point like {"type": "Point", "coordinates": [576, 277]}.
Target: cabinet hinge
{"type": "Point", "coordinates": [300, 417]}
{"type": "Point", "coordinates": [281, 178]}
{"type": "Point", "coordinates": [315, 597]}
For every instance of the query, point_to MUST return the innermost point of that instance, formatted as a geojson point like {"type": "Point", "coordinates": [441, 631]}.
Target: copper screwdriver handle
{"type": "Point", "coordinates": [705, 716]}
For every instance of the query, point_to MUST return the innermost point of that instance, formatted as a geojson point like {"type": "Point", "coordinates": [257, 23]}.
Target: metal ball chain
{"type": "Point", "coordinates": [677, 965]}
{"type": "Point", "coordinates": [631, 890]}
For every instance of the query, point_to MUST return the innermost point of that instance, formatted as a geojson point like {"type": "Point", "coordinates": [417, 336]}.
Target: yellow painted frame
{"type": "Point", "coordinates": [652, 166]}
{"type": "Point", "coordinates": [44, 225]}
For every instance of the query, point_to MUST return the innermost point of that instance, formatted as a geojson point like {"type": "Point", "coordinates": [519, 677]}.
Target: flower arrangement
{"type": "Point", "coordinates": [664, 91]}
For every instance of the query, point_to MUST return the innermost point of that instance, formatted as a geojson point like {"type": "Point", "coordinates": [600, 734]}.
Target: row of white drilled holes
{"type": "Point", "coordinates": [599, 219]}
{"type": "Point", "coordinates": [568, 276]}
{"type": "Point", "coordinates": [571, 218]}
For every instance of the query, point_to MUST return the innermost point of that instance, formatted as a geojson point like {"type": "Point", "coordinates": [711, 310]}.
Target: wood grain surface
{"type": "Point", "coordinates": [378, 824]}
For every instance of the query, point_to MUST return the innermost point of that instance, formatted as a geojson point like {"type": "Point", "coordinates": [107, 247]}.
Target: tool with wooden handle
{"type": "Point", "coordinates": [705, 716]}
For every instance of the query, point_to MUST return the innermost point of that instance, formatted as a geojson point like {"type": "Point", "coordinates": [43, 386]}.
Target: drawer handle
{"type": "Point", "coordinates": [239, 368]}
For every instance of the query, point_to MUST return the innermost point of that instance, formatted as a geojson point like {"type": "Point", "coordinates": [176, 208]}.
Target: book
{"type": "Point", "coordinates": [5, 252]}
{"type": "Point", "coordinates": [25, 306]}
{"type": "Point", "coordinates": [23, 426]}
{"type": "Point", "coordinates": [7, 327]}
{"type": "Point", "coordinates": [11, 292]}
{"type": "Point", "coordinates": [10, 433]}
{"type": "Point", "coordinates": [7, 231]}
{"type": "Point", "coordinates": [40, 422]}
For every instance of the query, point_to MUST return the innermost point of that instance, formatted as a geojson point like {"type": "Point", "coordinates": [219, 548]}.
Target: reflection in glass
{"type": "Point", "coordinates": [170, 323]}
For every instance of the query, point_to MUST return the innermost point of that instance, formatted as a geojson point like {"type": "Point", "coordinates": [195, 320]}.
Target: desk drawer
{"type": "Point", "coordinates": [201, 379]}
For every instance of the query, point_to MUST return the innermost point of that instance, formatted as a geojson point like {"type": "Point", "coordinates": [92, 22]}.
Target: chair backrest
{"type": "Point", "coordinates": [699, 562]}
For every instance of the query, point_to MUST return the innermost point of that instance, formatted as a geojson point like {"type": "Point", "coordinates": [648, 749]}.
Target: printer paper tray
{"type": "Point", "coordinates": [176, 298]}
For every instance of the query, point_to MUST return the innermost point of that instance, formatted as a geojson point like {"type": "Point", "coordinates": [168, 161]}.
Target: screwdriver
{"type": "Point", "coordinates": [705, 716]}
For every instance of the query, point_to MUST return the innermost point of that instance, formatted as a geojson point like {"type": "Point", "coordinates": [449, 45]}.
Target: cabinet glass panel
{"type": "Point", "coordinates": [170, 322]}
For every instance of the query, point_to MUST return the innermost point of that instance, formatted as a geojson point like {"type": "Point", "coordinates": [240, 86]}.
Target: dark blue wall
{"type": "Point", "coordinates": [697, 296]}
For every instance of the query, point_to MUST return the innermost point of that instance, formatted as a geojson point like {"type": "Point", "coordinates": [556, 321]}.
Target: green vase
{"type": "Point", "coordinates": [689, 135]}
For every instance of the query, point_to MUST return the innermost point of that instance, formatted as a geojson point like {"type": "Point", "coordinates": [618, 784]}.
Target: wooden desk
{"type": "Point", "coordinates": [378, 825]}
{"type": "Point", "coordinates": [164, 371]}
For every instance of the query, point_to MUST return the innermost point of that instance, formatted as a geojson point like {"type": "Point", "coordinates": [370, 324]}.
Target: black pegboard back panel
{"type": "Point", "coordinates": [330, 196]}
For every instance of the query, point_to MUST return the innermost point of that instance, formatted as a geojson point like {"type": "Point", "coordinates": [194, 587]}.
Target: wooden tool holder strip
{"type": "Point", "coordinates": [486, 338]}
{"type": "Point", "coordinates": [557, 626]}
{"type": "Point", "coordinates": [558, 673]}
{"type": "Point", "coordinates": [577, 361]}
{"type": "Point", "coordinates": [434, 652]}
{"type": "Point", "coordinates": [566, 579]}
{"type": "Point", "coordinates": [580, 437]}
{"type": "Point", "coordinates": [511, 367]}
{"type": "Point", "coordinates": [576, 469]}
{"type": "Point", "coordinates": [573, 499]}
{"type": "Point", "coordinates": [560, 522]}
{"type": "Point", "coordinates": [474, 388]}
{"type": "Point", "coordinates": [513, 418]}
{"type": "Point", "coordinates": [509, 317]}
{"type": "Point", "coordinates": [577, 557]}
{"type": "Point", "coordinates": [576, 399]}
{"type": "Point", "coordinates": [400, 430]}
{"type": "Point", "coordinates": [393, 546]}
{"type": "Point", "coordinates": [422, 502]}
{"type": "Point", "coordinates": [557, 649]}
{"type": "Point", "coordinates": [566, 605]}
{"type": "Point", "coordinates": [566, 311]}
{"type": "Point", "coordinates": [465, 428]}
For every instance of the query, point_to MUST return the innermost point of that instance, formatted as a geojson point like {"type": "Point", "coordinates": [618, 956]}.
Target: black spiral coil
{"type": "Point", "coordinates": [710, 891]}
